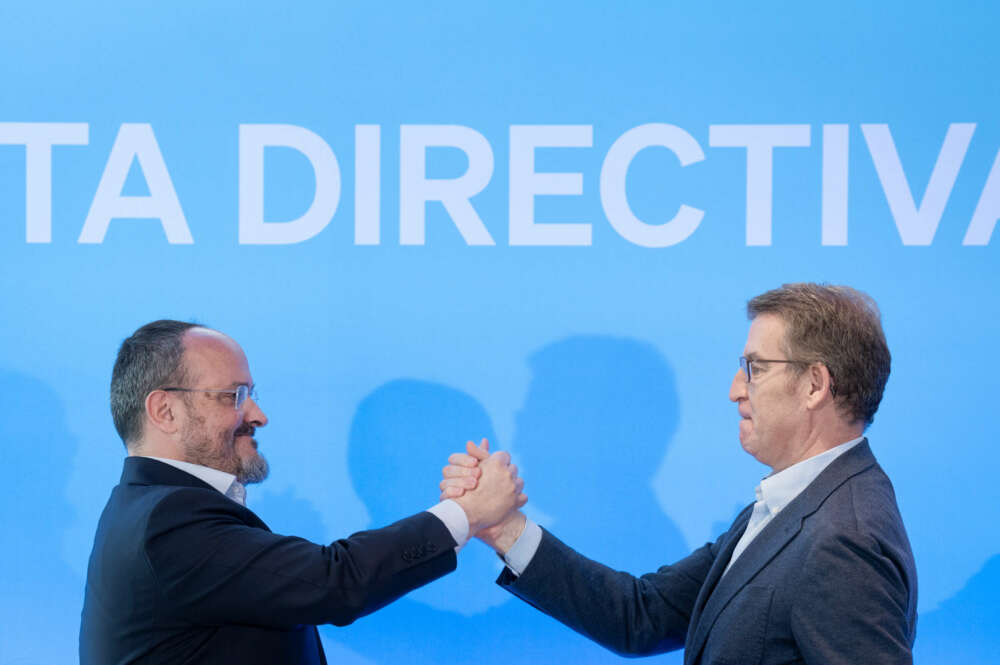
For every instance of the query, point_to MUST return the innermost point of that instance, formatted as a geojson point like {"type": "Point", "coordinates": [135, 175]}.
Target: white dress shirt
{"type": "Point", "coordinates": [778, 489]}
{"type": "Point", "coordinates": [449, 512]}
{"type": "Point", "coordinates": [773, 494]}
{"type": "Point", "coordinates": [226, 483]}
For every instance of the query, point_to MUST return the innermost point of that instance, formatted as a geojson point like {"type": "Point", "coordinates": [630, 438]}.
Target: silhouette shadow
{"type": "Point", "coordinates": [42, 596]}
{"type": "Point", "coordinates": [596, 422]}
{"type": "Point", "coordinates": [965, 629]}
{"type": "Point", "coordinates": [287, 513]}
{"type": "Point", "coordinates": [400, 433]}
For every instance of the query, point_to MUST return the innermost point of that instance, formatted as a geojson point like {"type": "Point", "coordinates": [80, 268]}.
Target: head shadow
{"type": "Point", "coordinates": [965, 628]}
{"type": "Point", "coordinates": [402, 434]}
{"type": "Point", "coordinates": [38, 451]}
{"type": "Point", "coordinates": [400, 438]}
{"type": "Point", "coordinates": [597, 419]}
{"type": "Point", "coordinates": [42, 595]}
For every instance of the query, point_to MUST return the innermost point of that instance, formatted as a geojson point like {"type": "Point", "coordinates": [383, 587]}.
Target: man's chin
{"type": "Point", "coordinates": [748, 443]}
{"type": "Point", "coordinates": [253, 468]}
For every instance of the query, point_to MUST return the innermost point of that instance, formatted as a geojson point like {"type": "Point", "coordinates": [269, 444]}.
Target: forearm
{"type": "Point", "coordinates": [283, 581]}
{"type": "Point", "coordinates": [626, 614]}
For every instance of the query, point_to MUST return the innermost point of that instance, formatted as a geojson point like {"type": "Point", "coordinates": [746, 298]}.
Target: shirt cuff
{"type": "Point", "coordinates": [523, 550]}
{"type": "Point", "coordinates": [449, 512]}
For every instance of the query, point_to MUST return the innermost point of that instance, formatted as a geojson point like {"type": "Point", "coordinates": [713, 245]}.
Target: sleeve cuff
{"type": "Point", "coordinates": [454, 520]}
{"type": "Point", "coordinates": [523, 550]}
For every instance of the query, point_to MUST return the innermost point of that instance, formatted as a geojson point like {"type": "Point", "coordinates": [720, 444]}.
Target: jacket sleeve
{"type": "Point", "coordinates": [212, 567]}
{"type": "Point", "coordinates": [854, 604]}
{"type": "Point", "coordinates": [629, 615]}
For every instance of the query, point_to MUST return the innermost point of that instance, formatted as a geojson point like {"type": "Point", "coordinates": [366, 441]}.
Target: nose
{"type": "Point", "coordinates": [253, 414]}
{"type": "Point", "coordinates": [738, 388]}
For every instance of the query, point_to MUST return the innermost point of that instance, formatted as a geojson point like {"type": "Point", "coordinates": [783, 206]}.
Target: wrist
{"type": "Point", "coordinates": [471, 515]}
{"type": "Point", "coordinates": [502, 536]}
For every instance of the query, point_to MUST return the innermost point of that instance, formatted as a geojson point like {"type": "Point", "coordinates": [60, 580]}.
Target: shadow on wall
{"type": "Point", "coordinates": [400, 438]}
{"type": "Point", "coordinates": [42, 596]}
{"type": "Point", "coordinates": [287, 513]}
{"type": "Point", "coordinates": [965, 629]}
{"type": "Point", "coordinates": [597, 420]}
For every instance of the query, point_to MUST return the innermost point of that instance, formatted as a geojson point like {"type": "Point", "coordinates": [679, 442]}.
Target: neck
{"type": "Point", "coordinates": [819, 440]}
{"type": "Point", "coordinates": [153, 448]}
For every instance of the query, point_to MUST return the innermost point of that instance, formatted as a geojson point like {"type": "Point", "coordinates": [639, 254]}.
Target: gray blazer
{"type": "Point", "coordinates": [831, 579]}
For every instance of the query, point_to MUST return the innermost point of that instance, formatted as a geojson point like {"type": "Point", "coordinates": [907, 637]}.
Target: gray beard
{"type": "Point", "coordinates": [253, 470]}
{"type": "Point", "coordinates": [221, 454]}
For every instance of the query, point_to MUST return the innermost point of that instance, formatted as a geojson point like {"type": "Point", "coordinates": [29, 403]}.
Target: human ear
{"type": "Point", "coordinates": [160, 411]}
{"type": "Point", "coordinates": [820, 385]}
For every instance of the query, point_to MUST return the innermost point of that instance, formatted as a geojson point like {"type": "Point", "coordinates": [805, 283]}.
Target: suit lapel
{"type": "Point", "coordinates": [711, 581]}
{"type": "Point", "coordinates": [717, 593]}
{"type": "Point", "coordinates": [768, 543]}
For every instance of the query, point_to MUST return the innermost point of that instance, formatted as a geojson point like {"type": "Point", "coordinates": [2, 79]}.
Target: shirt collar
{"type": "Point", "coordinates": [225, 483]}
{"type": "Point", "coordinates": [778, 489]}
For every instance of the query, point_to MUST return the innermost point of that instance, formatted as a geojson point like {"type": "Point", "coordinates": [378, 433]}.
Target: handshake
{"type": "Point", "coordinates": [488, 490]}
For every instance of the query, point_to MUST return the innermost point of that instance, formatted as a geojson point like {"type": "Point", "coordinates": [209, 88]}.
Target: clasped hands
{"type": "Point", "coordinates": [488, 490]}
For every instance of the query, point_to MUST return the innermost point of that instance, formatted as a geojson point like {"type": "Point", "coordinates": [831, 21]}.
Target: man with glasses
{"type": "Point", "coordinates": [817, 570]}
{"type": "Point", "coordinates": [183, 572]}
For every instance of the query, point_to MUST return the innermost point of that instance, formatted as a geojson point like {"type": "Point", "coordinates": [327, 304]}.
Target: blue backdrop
{"type": "Point", "coordinates": [533, 222]}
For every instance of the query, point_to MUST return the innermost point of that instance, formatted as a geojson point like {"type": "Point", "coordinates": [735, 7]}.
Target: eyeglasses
{"type": "Point", "coordinates": [746, 364]}
{"type": "Point", "coordinates": [240, 393]}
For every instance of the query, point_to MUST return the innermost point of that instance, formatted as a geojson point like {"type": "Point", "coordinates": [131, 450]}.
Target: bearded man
{"type": "Point", "coordinates": [183, 572]}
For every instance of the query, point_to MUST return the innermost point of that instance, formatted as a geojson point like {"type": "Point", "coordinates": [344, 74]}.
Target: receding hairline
{"type": "Point", "coordinates": [202, 333]}
{"type": "Point", "coordinates": [199, 331]}
{"type": "Point", "coordinates": [212, 337]}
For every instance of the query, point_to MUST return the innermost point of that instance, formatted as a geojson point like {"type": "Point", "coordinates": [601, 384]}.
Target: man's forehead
{"type": "Point", "coordinates": [206, 340]}
{"type": "Point", "coordinates": [765, 337]}
{"type": "Point", "coordinates": [210, 351]}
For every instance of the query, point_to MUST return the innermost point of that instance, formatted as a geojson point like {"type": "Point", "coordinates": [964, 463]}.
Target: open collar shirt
{"type": "Point", "coordinates": [777, 490]}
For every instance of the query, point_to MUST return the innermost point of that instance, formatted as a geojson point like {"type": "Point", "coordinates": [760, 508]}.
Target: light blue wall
{"type": "Point", "coordinates": [376, 360]}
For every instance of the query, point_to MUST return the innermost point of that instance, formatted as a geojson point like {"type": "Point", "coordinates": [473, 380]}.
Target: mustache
{"type": "Point", "coordinates": [245, 430]}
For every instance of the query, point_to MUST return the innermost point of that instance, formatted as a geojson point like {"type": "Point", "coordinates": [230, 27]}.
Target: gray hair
{"type": "Point", "coordinates": [151, 358]}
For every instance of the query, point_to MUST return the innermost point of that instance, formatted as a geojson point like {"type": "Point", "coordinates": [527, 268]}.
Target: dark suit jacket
{"type": "Point", "coordinates": [830, 579]}
{"type": "Point", "coordinates": [182, 574]}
